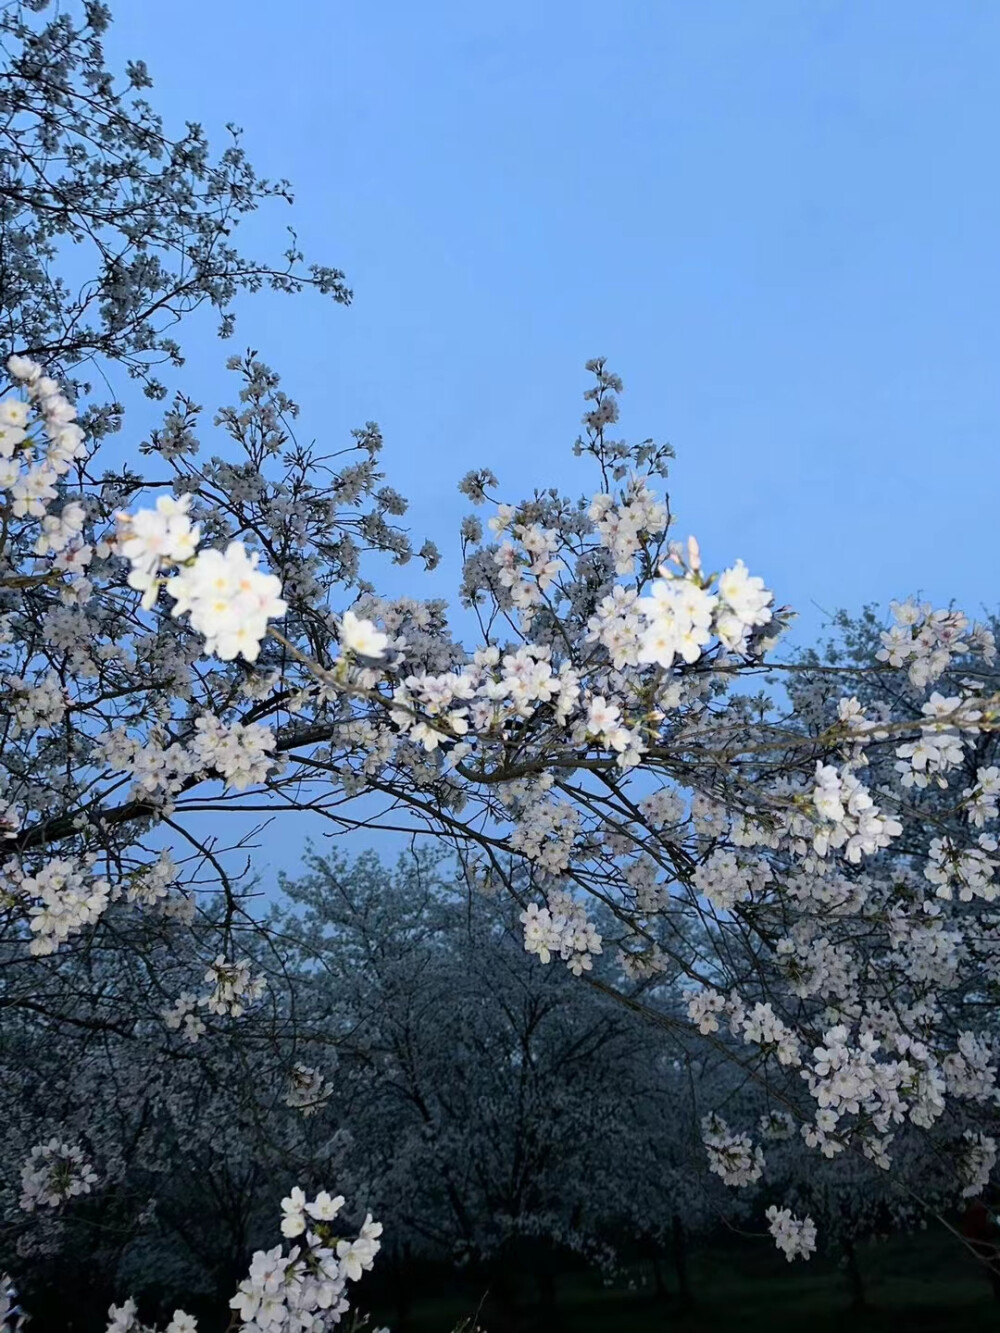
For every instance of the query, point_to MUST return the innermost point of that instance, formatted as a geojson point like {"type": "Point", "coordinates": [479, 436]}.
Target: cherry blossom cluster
{"type": "Point", "coordinates": [726, 878]}
{"type": "Point", "coordinates": [527, 562]}
{"type": "Point", "coordinates": [851, 821]}
{"type": "Point", "coordinates": [308, 1091]}
{"type": "Point", "coordinates": [777, 1125]}
{"type": "Point", "coordinates": [307, 1287]}
{"type": "Point", "coordinates": [54, 1172]}
{"type": "Point", "coordinates": [158, 771]}
{"type": "Point", "coordinates": [63, 897]}
{"type": "Point", "coordinates": [794, 1236]}
{"type": "Point", "coordinates": [546, 832]}
{"type": "Point", "coordinates": [848, 1079]}
{"type": "Point", "coordinates": [150, 883]}
{"type": "Point", "coordinates": [978, 1160]}
{"type": "Point", "coordinates": [183, 1017]}
{"type": "Point", "coordinates": [760, 1025]}
{"type": "Point", "coordinates": [981, 800]}
{"type": "Point", "coordinates": [31, 469]}
{"type": "Point", "coordinates": [488, 694]}
{"type": "Point", "coordinates": [234, 988]}
{"type": "Point", "coordinates": [561, 928]}
{"type": "Point", "coordinates": [35, 704]}
{"type": "Point", "coordinates": [124, 1318]}
{"type": "Point", "coordinates": [926, 641]}
{"type": "Point", "coordinates": [226, 597]}
{"type": "Point", "coordinates": [731, 1156]}
{"type": "Point", "coordinates": [242, 754]}
{"type": "Point", "coordinates": [705, 1007]}
{"type": "Point", "coordinates": [625, 526]}
{"type": "Point", "coordinates": [970, 1071]}
{"type": "Point", "coordinates": [302, 1291]}
{"type": "Point", "coordinates": [939, 748]}
{"type": "Point", "coordinates": [681, 616]}
{"type": "Point", "coordinates": [969, 870]}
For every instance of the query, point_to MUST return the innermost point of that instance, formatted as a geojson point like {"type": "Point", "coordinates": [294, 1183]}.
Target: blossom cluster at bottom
{"type": "Point", "coordinates": [794, 1236]}
{"type": "Point", "coordinates": [303, 1291]}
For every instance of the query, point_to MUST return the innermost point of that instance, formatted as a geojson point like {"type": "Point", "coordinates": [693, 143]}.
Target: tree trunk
{"type": "Point", "coordinates": [403, 1294]}
{"type": "Point", "coordinates": [858, 1295]}
{"type": "Point", "coordinates": [980, 1230]}
{"type": "Point", "coordinates": [501, 1291]}
{"type": "Point", "coordinates": [680, 1261]}
{"type": "Point", "coordinates": [659, 1286]}
{"type": "Point", "coordinates": [546, 1280]}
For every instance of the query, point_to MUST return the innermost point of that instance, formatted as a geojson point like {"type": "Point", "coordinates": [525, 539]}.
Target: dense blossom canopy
{"type": "Point", "coordinates": [805, 882]}
{"type": "Point", "coordinates": [788, 864]}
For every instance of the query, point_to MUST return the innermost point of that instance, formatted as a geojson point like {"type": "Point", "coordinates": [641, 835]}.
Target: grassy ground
{"type": "Point", "coordinates": [919, 1284]}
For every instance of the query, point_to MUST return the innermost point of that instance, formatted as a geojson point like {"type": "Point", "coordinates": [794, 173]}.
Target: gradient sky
{"type": "Point", "coordinates": [778, 221]}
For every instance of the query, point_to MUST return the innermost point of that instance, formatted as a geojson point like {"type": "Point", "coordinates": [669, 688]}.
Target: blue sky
{"type": "Point", "coordinates": [778, 221]}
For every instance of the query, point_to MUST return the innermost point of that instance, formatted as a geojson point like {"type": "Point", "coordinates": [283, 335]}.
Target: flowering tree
{"type": "Point", "coordinates": [491, 1111]}
{"type": "Point", "coordinates": [802, 880]}
{"type": "Point", "coordinates": [591, 748]}
{"type": "Point", "coordinates": [168, 1140]}
{"type": "Point", "coordinates": [489, 1095]}
{"type": "Point", "coordinates": [85, 163]}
